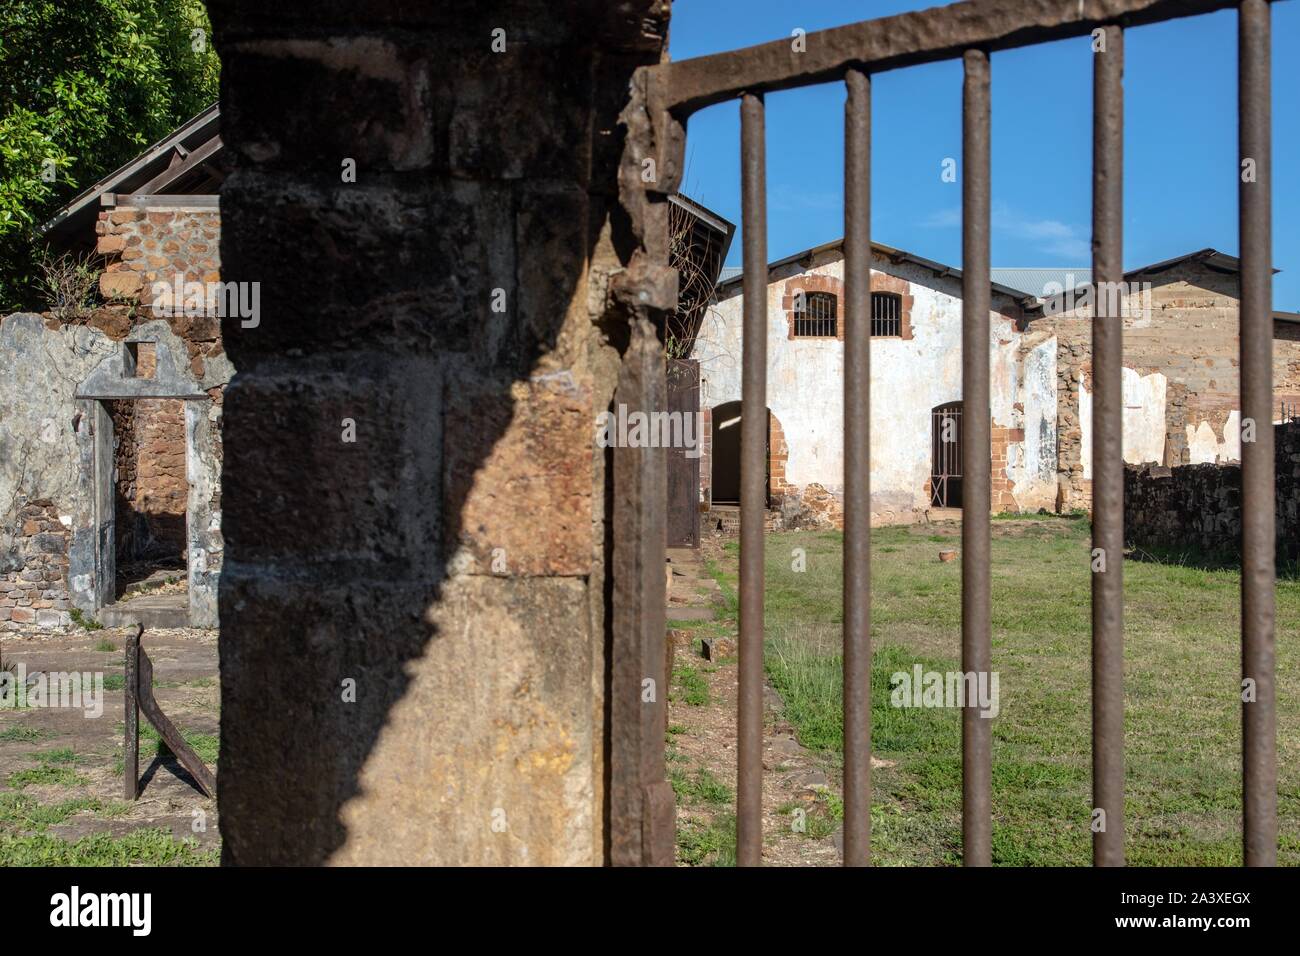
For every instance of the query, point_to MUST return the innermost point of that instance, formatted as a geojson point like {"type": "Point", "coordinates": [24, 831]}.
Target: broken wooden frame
{"type": "Point", "coordinates": [139, 698]}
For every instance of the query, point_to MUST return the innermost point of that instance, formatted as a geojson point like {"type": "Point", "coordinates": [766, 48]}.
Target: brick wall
{"type": "Point", "coordinates": [1199, 506]}
{"type": "Point", "coordinates": [1001, 485]}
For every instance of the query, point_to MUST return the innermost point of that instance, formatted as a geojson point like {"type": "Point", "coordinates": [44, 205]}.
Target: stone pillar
{"type": "Point", "coordinates": [413, 606]}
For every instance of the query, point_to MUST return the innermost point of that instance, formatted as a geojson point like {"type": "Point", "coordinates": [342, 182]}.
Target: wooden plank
{"type": "Point", "coordinates": [131, 736]}
{"type": "Point", "coordinates": [167, 730]}
{"type": "Point", "coordinates": [196, 158]}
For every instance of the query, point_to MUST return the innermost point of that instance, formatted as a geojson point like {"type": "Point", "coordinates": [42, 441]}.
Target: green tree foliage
{"type": "Point", "coordinates": [85, 86]}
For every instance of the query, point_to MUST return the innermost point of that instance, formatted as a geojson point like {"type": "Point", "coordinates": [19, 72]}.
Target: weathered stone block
{"type": "Point", "coordinates": [519, 475]}
{"type": "Point", "coordinates": [326, 501]}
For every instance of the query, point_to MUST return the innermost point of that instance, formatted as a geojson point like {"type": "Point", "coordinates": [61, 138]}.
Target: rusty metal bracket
{"type": "Point", "coordinates": [140, 698]}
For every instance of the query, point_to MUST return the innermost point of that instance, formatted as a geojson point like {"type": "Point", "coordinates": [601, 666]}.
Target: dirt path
{"type": "Point", "coordinates": [800, 790]}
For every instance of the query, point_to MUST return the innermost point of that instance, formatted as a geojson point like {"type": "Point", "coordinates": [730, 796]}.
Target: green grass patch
{"type": "Point", "coordinates": [205, 745]}
{"type": "Point", "coordinates": [711, 843]}
{"type": "Point", "coordinates": [1182, 709]}
{"type": "Point", "coordinates": [691, 687]}
{"type": "Point", "coordinates": [105, 645]}
{"type": "Point", "coordinates": [145, 847]}
{"type": "Point", "coordinates": [82, 619]}
{"type": "Point", "coordinates": [21, 733]}
{"type": "Point", "coordinates": [58, 756]}
{"type": "Point", "coordinates": [702, 787]}
{"type": "Point", "coordinates": [45, 774]}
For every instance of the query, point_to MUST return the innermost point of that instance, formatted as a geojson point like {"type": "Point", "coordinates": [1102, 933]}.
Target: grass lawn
{"type": "Point", "coordinates": [1182, 703]}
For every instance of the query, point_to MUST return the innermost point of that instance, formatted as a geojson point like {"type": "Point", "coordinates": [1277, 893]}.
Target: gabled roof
{"type": "Point", "coordinates": [181, 163]}
{"type": "Point", "coordinates": [1211, 258]}
{"type": "Point", "coordinates": [1028, 285]}
{"type": "Point", "coordinates": [731, 278]}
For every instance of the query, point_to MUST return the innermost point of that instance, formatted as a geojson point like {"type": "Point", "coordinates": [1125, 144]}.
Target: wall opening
{"type": "Point", "coordinates": [945, 468]}
{"type": "Point", "coordinates": [726, 419]}
{"type": "Point", "coordinates": [148, 487]}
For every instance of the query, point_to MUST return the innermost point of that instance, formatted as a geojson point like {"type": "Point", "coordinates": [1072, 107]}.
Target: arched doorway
{"type": "Point", "coordinates": [945, 468]}
{"type": "Point", "coordinates": [725, 482]}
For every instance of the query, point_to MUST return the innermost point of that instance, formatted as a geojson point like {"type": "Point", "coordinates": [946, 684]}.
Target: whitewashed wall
{"type": "Point", "coordinates": [909, 378]}
{"type": "Point", "coordinates": [1143, 420]}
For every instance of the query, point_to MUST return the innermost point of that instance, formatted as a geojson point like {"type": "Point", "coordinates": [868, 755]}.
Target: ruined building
{"type": "Point", "coordinates": [1180, 382]}
{"type": "Point", "coordinates": [110, 418]}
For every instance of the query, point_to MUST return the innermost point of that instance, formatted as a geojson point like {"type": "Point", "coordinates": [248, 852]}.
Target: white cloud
{"type": "Point", "coordinates": [1058, 240]}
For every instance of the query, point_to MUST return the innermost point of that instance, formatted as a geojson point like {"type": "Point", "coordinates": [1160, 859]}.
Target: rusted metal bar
{"type": "Point", "coordinates": [1107, 560]}
{"type": "Point", "coordinates": [1258, 713]}
{"type": "Point", "coordinates": [641, 799]}
{"type": "Point", "coordinates": [183, 752]}
{"type": "Point", "coordinates": [887, 43]}
{"type": "Point", "coordinates": [976, 654]}
{"type": "Point", "coordinates": [857, 470]}
{"type": "Point", "coordinates": [131, 736]}
{"type": "Point", "coordinates": [753, 484]}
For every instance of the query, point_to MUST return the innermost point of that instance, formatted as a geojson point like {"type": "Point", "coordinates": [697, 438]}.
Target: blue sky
{"type": "Point", "coordinates": [1180, 135]}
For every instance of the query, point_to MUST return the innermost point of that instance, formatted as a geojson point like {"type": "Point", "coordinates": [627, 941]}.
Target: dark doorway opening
{"type": "Point", "coordinates": [150, 497]}
{"type": "Point", "coordinates": [726, 454]}
{"type": "Point", "coordinates": [945, 470]}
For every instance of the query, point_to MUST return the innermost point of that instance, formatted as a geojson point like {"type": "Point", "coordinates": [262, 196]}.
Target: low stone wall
{"type": "Point", "coordinates": [1199, 506]}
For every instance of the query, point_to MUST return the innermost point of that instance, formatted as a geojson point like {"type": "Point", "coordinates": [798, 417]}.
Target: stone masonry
{"type": "Point", "coordinates": [452, 561]}
{"type": "Point", "coordinates": [1198, 507]}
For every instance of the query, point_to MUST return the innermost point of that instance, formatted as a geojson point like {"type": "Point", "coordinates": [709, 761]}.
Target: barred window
{"type": "Point", "coordinates": [886, 314]}
{"type": "Point", "coordinates": [817, 317]}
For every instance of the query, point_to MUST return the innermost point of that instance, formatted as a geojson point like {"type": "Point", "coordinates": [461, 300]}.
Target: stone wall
{"type": "Point", "coordinates": [55, 391]}
{"type": "Point", "coordinates": [34, 568]}
{"type": "Point", "coordinates": [145, 241]}
{"type": "Point", "coordinates": [453, 302]}
{"type": "Point", "coordinates": [1198, 507]}
{"type": "Point", "coordinates": [1185, 332]}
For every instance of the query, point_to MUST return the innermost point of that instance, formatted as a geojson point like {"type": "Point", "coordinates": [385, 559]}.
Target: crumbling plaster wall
{"type": "Point", "coordinates": [909, 377]}
{"type": "Point", "coordinates": [50, 408]}
{"type": "Point", "coordinates": [1181, 378]}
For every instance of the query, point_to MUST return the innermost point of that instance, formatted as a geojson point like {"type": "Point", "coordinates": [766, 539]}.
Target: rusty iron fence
{"type": "Point", "coordinates": [668, 94]}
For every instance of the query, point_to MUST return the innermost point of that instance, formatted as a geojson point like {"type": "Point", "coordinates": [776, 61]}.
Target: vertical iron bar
{"type": "Point", "coordinates": [1107, 451]}
{"type": "Point", "coordinates": [753, 482]}
{"type": "Point", "coordinates": [976, 655]}
{"type": "Point", "coordinates": [1258, 715]}
{"type": "Point", "coordinates": [857, 470]}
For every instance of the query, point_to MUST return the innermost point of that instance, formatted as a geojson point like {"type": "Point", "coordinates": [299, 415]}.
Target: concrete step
{"type": "Point", "coordinates": [151, 610]}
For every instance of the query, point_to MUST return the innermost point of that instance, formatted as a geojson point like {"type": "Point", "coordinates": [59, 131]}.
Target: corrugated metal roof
{"type": "Point", "coordinates": [730, 272]}
{"type": "Point", "coordinates": [1042, 282]}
